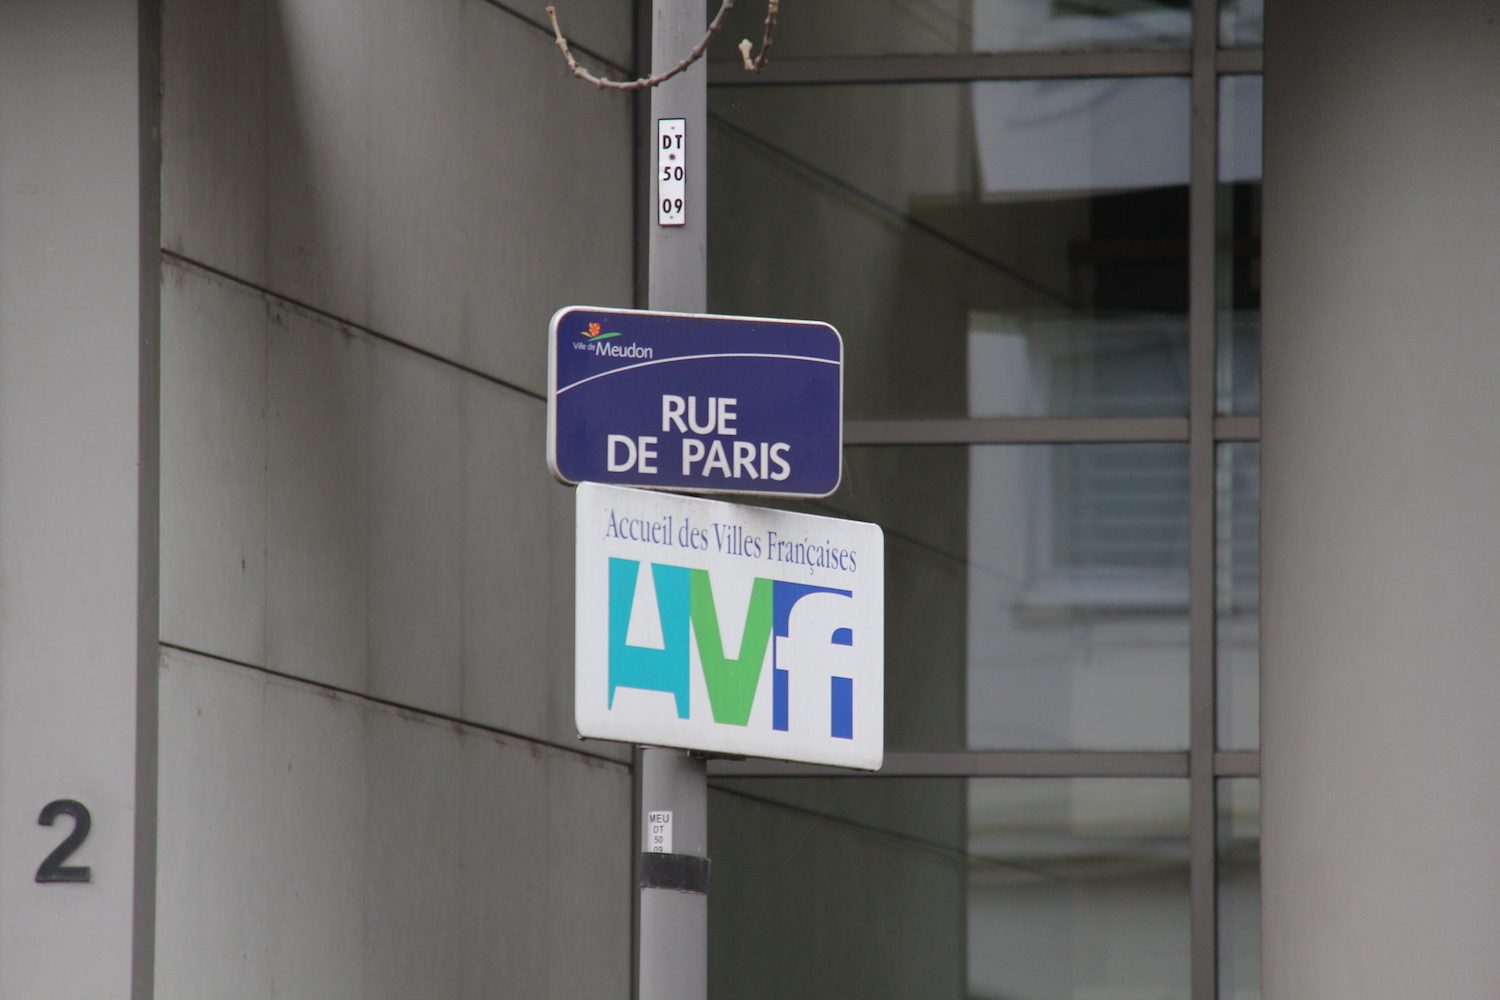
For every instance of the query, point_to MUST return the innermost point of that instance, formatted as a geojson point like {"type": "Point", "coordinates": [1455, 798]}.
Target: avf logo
{"type": "Point", "coordinates": [687, 612]}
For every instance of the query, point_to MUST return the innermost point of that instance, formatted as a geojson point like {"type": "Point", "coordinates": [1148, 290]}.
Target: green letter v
{"type": "Point", "coordinates": [731, 683]}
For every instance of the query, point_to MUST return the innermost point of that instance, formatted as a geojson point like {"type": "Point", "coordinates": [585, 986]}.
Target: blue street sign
{"type": "Point", "coordinates": [701, 404]}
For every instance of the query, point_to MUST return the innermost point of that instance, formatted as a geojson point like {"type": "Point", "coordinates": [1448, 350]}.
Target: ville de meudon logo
{"type": "Point", "coordinates": [596, 332]}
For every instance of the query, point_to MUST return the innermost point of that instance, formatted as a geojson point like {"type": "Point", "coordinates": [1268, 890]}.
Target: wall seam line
{"type": "Point", "coordinates": [177, 258]}
{"type": "Point", "coordinates": [400, 706]}
{"type": "Point", "coordinates": [547, 30]}
{"type": "Point", "coordinates": [937, 847]}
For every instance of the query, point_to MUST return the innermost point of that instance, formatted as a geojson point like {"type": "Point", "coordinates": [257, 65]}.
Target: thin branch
{"type": "Point", "coordinates": [645, 81]}
{"type": "Point", "coordinates": [759, 62]}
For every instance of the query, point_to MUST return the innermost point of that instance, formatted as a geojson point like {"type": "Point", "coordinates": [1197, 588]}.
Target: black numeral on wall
{"type": "Point", "coordinates": [52, 869]}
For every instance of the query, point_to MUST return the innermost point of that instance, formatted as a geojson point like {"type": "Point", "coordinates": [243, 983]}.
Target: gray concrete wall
{"type": "Point", "coordinates": [371, 785]}
{"type": "Point", "coordinates": [1381, 500]}
{"type": "Point", "coordinates": [75, 494]}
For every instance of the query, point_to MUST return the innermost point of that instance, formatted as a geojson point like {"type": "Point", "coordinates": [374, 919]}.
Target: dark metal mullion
{"type": "Point", "coordinates": [1039, 430]}
{"type": "Point", "coordinates": [1240, 60]}
{"type": "Point", "coordinates": [951, 68]}
{"type": "Point", "coordinates": [968, 67]}
{"type": "Point", "coordinates": [1004, 764]}
{"type": "Point", "coordinates": [1237, 763]}
{"type": "Point", "coordinates": [1014, 430]}
{"type": "Point", "coordinates": [1201, 399]}
{"type": "Point", "coordinates": [978, 764]}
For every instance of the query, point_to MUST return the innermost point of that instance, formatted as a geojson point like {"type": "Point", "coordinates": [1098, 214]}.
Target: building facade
{"type": "Point", "coordinates": [286, 597]}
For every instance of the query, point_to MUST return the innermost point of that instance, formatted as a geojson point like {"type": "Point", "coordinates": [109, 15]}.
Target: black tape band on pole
{"type": "Point", "coordinates": [682, 872]}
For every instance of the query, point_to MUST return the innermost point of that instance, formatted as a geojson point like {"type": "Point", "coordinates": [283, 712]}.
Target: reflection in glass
{"type": "Point", "coordinates": [836, 888]}
{"type": "Point", "coordinates": [1241, 23]}
{"type": "Point", "coordinates": [1000, 248]}
{"type": "Point", "coordinates": [1077, 597]}
{"type": "Point", "coordinates": [1036, 595]}
{"type": "Point", "coordinates": [1239, 889]}
{"type": "Point", "coordinates": [1014, 888]}
{"type": "Point", "coordinates": [1237, 594]}
{"type": "Point", "coordinates": [1078, 887]}
{"type": "Point", "coordinates": [937, 27]}
{"type": "Point", "coordinates": [1239, 244]}
{"type": "Point", "coordinates": [920, 496]}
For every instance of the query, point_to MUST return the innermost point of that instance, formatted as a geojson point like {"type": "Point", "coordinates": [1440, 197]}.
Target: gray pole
{"type": "Point", "coordinates": [674, 900]}
{"type": "Point", "coordinates": [679, 254]}
{"type": "Point", "coordinates": [674, 887]}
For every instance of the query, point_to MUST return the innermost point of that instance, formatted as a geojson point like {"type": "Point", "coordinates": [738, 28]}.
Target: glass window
{"type": "Point", "coordinates": [1237, 593]}
{"type": "Point", "coordinates": [1078, 887]}
{"type": "Point", "coordinates": [1239, 244]}
{"type": "Point", "coordinates": [837, 888]}
{"type": "Point", "coordinates": [1241, 23]}
{"type": "Point", "coordinates": [1239, 889]}
{"type": "Point", "coordinates": [989, 249]}
{"type": "Point", "coordinates": [1036, 594]}
{"type": "Point", "coordinates": [1077, 627]}
{"type": "Point", "coordinates": [938, 27]}
{"type": "Point", "coordinates": [1014, 888]}
{"type": "Point", "coordinates": [995, 249]}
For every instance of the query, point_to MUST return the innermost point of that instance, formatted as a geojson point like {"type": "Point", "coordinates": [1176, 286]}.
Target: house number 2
{"type": "Point", "coordinates": [53, 869]}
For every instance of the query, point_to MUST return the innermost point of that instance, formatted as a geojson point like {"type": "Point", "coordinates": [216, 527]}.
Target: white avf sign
{"type": "Point", "coordinates": [731, 629]}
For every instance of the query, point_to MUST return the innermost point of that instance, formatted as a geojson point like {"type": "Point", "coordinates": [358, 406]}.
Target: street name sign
{"type": "Point", "coordinates": [730, 629]}
{"type": "Point", "coordinates": [706, 404]}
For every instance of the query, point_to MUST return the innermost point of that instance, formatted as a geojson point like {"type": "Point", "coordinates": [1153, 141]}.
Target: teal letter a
{"type": "Point", "coordinates": [637, 666]}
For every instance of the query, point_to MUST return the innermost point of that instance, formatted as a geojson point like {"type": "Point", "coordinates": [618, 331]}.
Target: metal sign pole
{"type": "Point", "coordinates": [674, 881]}
{"type": "Point", "coordinates": [678, 280]}
{"type": "Point", "coordinates": [674, 786]}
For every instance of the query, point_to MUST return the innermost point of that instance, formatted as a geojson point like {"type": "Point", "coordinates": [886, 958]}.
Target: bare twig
{"type": "Point", "coordinates": [645, 81]}
{"type": "Point", "coordinates": [759, 62]}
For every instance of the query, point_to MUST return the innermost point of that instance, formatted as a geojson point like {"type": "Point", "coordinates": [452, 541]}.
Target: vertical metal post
{"type": "Point", "coordinates": [674, 911]}
{"type": "Point", "coordinates": [678, 280]}
{"type": "Point", "coordinates": [674, 920]}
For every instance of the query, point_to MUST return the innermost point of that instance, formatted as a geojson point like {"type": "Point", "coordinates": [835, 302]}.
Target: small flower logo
{"type": "Point", "coordinates": [594, 332]}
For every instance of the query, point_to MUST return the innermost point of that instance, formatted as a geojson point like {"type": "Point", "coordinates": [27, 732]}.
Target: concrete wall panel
{"type": "Point", "coordinates": [418, 875]}
{"type": "Point", "coordinates": [213, 466]}
{"type": "Point", "coordinates": [415, 185]}
{"type": "Point", "coordinates": [1381, 526]}
{"type": "Point", "coordinates": [318, 473]}
{"type": "Point", "coordinates": [603, 26]}
{"type": "Point", "coordinates": [508, 617]}
{"type": "Point", "coordinates": [319, 129]}
{"type": "Point", "coordinates": [350, 512]}
{"type": "Point", "coordinates": [347, 511]}
{"type": "Point", "coordinates": [590, 844]}
{"type": "Point", "coordinates": [399, 165]}
{"type": "Point", "coordinates": [415, 533]}
{"type": "Point", "coordinates": [560, 235]}
{"type": "Point", "coordinates": [214, 138]}
{"type": "Point", "coordinates": [324, 846]}
{"type": "Point", "coordinates": [561, 640]}
{"type": "Point", "coordinates": [77, 507]}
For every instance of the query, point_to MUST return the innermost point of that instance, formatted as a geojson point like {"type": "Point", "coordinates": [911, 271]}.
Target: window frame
{"type": "Point", "coordinates": [1203, 430]}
